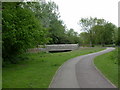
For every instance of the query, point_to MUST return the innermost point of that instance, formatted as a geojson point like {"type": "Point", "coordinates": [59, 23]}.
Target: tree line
{"type": "Point", "coordinates": [98, 32]}
{"type": "Point", "coordinates": [29, 24]}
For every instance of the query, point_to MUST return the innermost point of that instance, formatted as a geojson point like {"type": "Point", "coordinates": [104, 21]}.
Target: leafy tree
{"type": "Point", "coordinates": [48, 14]}
{"type": "Point", "coordinates": [104, 33]}
{"type": "Point", "coordinates": [87, 24]}
{"type": "Point", "coordinates": [98, 34]}
{"type": "Point", "coordinates": [109, 31]}
{"type": "Point", "coordinates": [57, 31]}
{"type": "Point", "coordinates": [21, 30]}
{"type": "Point", "coordinates": [72, 36]}
{"type": "Point", "coordinates": [84, 38]}
{"type": "Point", "coordinates": [118, 36]}
{"type": "Point", "coordinates": [99, 31]}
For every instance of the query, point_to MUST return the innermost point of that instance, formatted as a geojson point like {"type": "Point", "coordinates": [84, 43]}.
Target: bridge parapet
{"type": "Point", "coordinates": [60, 47]}
{"type": "Point", "coordinates": [54, 47]}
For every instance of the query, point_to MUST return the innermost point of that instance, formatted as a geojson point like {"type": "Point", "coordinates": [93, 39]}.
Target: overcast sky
{"type": "Point", "coordinates": [71, 11]}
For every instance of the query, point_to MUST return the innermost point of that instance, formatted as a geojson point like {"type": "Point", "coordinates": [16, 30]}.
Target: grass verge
{"type": "Point", "coordinates": [108, 65]}
{"type": "Point", "coordinates": [39, 69]}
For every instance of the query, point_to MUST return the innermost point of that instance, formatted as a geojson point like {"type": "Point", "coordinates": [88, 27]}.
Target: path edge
{"type": "Point", "coordinates": [93, 65]}
{"type": "Point", "coordinates": [55, 75]}
{"type": "Point", "coordinates": [102, 73]}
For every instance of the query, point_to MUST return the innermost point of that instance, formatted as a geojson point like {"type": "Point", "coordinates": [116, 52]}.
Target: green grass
{"type": "Point", "coordinates": [108, 65]}
{"type": "Point", "coordinates": [39, 69]}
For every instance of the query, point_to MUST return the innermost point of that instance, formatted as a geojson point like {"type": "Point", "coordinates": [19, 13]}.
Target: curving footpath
{"type": "Point", "coordinates": [80, 72]}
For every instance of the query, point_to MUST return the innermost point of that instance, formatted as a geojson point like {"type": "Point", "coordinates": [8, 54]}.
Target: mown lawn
{"type": "Point", "coordinates": [39, 69]}
{"type": "Point", "coordinates": [108, 65]}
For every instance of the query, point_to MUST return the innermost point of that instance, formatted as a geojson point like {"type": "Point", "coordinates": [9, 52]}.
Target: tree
{"type": "Point", "coordinates": [99, 31]}
{"type": "Point", "coordinates": [21, 30]}
{"type": "Point", "coordinates": [98, 34]}
{"type": "Point", "coordinates": [104, 33]}
{"type": "Point", "coordinates": [72, 37]}
{"type": "Point", "coordinates": [109, 31]}
{"type": "Point", "coordinates": [117, 36]}
{"type": "Point", "coordinates": [84, 38]}
{"type": "Point", "coordinates": [57, 31]}
{"type": "Point", "coordinates": [48, 14]}
{"type": "Point", "coordinates": [87, 25]}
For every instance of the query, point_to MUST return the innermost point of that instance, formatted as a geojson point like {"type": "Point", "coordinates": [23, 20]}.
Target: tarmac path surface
{"type": "Point", "coordinates": [80, 72]}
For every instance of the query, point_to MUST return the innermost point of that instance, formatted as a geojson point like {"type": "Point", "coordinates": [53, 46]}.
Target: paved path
{"type": "Point", "coordinates": [80, 72]}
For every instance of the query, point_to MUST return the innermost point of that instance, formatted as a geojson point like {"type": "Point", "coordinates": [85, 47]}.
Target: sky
{"type": "Point", "coordinates": [71, 11]}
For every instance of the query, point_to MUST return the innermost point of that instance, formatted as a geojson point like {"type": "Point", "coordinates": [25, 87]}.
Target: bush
{"type": "Point", "coordinates": [21, 30]}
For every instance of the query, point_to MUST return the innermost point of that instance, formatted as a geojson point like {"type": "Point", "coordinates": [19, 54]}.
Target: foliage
{"type": "Point", "coordinates": [29, 24]}
{"type": "Point", "coordinates": [117, 36]}
{"type": "Point", "coordinates": [98, 31]}
{"type": "Point", "coordinates": [72, 37]}
{"type": "Point", "coordinates": [84, 38]}
{"type": "Point", "coordinates": [48, 15]}
{"type": "Point", "coordinates": [21, 30]}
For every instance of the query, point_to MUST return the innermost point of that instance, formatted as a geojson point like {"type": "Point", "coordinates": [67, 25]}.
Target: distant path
{"type": "Point", "coordinates": [80, 72]}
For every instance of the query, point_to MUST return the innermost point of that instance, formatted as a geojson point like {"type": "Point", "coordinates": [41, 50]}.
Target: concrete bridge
{"type": "Point", "coordinates": [60, 47]}
{"type": "Point", "coordinates": [55, 48]}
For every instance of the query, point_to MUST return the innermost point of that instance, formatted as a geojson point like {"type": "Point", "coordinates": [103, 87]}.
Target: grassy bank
{"type": "Point", "coordinates": [39, 69]}
{"type": "Point", "coordinates": [108, 65]}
